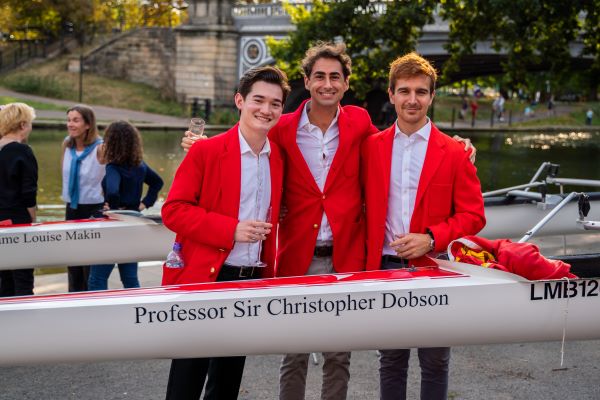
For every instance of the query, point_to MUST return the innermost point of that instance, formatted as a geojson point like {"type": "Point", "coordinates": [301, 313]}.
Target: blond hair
{"type": "Point", "coordinates": [409, 66]}
{"type": "Point", "coordinates": [13, 115]}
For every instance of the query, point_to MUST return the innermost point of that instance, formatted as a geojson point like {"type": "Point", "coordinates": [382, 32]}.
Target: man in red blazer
{"type": "Point", "coordinates": [323, 229]}
{"type": "Point", "coordinates": [421, 192]}
{"type": "Point", "coordinates": [222, 192]}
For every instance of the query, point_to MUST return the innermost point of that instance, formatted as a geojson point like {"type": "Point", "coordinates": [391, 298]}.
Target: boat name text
{"type": "Point", "coordinates": [565, 289]}
{"type": "Point", "coordinates": [282, 306]}
{"type": "Point", "coordinates": [48, 237]}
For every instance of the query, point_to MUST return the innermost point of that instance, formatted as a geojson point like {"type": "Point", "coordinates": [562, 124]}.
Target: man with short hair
{"type": "Point", "coordinates": [323, 230]}
{"type": "Point", "coordinates": [218, 206]}
{"type": "Point", "coordinates": [421, 192]}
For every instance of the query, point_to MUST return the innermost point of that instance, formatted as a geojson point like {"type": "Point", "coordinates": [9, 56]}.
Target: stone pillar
{"type": "Point", "coordinates": [207, 53]}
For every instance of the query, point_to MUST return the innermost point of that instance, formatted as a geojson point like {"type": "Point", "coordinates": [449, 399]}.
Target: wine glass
{"type": "Point", "coordinates": [258, 262]}
{"type": "Point", "coordinates": [197, 128]}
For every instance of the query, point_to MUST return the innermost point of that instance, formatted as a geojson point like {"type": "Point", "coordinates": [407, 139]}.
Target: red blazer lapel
{"type": "Point", "coordinates": [288, 141]}
{"type": "Point", "coordinates": [433, 160]}
{"type": "Point", "coordinates": [276, 164]}
{"type": "Point", "coordinates": [386, 142]}
{"type": "Point", "coordinates": [345, 129]}
{"type": "Point", "coordinates": [230, 169]}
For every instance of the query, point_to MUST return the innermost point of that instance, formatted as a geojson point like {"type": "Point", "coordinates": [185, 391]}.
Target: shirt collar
{"type": "Point", "coordinates": [245, 147]}
{"type": "Point", "coordinates": [305, 122]}
{"type": "Point", "coordinates": [423, 133]}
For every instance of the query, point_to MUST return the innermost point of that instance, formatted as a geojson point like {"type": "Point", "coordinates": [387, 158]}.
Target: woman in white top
{"type": "Point", "coordinates": [82, 172]}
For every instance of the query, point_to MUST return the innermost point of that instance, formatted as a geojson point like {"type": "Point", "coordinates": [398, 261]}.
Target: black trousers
{"type": "Point", "coordinates": [18, 282]}
{"type": "Point", "coordinates": [188, 375]}
{"type": "Point", "coordinates": [78, 275]}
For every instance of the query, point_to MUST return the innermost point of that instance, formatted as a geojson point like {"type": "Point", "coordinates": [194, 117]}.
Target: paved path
{"type": "Point", "coordinates": [103, 113]}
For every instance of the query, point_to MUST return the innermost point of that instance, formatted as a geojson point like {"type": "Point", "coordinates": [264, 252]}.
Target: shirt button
{"type": "Point", "coordinates": [324, 197]}
{"type": "Point", "coordinates": [212, 270]}
{"type": "Point", "coordinates": [222, 250]}
{"type": "Point", "coordinates": [315, 226]}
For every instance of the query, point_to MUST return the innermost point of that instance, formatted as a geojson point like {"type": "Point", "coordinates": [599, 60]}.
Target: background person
{"type": "Point", "coordinates": [126, 173]}
{"type": "Point", "coordinates": [218, 207]}
{"type": "Point", "coordinates": [18, 186]}
{"type": "Point", "coordinates": [82, 173]}
{"type": "Point", "coordinates": [421, 192]}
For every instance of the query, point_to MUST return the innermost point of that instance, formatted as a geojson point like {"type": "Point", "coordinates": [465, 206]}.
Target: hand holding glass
{"type": "Point", "coordinates": [197, 128]}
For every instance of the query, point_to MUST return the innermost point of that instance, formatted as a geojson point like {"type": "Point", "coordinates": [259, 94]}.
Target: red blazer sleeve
{"type": "Point", "coordinates": [468, 216]}
{"type": "Point", "coordinates": [186, 212]}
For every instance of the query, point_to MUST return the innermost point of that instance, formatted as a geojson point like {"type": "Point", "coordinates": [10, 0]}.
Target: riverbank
{"type": "Point", "coordinates": [53, 119]}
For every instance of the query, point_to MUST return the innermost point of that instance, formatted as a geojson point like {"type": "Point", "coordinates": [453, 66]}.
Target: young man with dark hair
{"type": "Point", "coordinates": [323, 230]}
{"type": "Point", "coordinates": [218, 206]}
{"type": "Point", "coordinates": [421, 192]}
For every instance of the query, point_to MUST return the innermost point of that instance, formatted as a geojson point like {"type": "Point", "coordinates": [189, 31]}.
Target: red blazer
{"type": "Point", "coordinates": [203, 205]}
{"type": "Point", "coordinates": [449, 200]}
{"type": "Point", "coordinates": [341, 199]}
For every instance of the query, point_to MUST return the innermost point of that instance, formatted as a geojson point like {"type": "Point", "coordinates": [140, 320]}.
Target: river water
{"type": "Point", "coordinates": [503, 159]}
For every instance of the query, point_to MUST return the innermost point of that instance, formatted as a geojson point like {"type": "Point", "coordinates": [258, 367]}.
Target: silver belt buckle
{"type": "Point", "coordinates": [243, 274]}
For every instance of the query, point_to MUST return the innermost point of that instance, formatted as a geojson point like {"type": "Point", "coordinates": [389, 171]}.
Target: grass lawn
{"type": "Point", "coordinates": [35, 104]}
{"type": "Point", "coordinates": [51, 79]}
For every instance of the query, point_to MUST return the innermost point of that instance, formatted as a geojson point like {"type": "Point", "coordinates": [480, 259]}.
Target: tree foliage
{"type": "Point", "coordinates": [532, 33]}
{"type": "Point", "coordinates": [374, 34]}
{"type": "Point", "coordinates": [29, 19]}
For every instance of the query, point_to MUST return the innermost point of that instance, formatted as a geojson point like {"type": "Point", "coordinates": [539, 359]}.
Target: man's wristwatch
{"type": "Point", "coordinates": [432, 242]}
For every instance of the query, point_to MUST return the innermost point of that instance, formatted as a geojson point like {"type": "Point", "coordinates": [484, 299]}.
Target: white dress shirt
{"type": "Point", "coordinates": [408, 156]}
{"type": "Point", "coordinates": [318, 149]}
{"type": "Point", "coordinates": [255, 199]}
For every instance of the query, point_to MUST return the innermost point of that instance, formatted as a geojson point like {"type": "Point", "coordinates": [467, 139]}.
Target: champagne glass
{"type": "Point", "coordinates": [197, 128]}
{"type": "Point", "coordinates": [259, 263]}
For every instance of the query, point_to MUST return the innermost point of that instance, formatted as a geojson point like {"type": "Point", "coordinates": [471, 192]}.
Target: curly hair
{"type": "Point", "coordinates": [411, 65]}
{"type": "Point", "coordinates": [123, 144]}
{"type": "Point", "coordinates": [326, 50]}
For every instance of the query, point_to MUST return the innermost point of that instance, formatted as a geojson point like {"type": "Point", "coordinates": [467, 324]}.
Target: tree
{"type": "Point", "coordinates": [533, 33]}
{"type": "Point", "coordinates": [53, 18]}
{"type": "Point", "coordinates": [374, 34]}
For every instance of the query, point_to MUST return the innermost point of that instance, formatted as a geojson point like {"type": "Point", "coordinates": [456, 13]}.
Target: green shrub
{"type": "Point", "coordinates": [41, 85]}
{"type": "Point", "coordinates": [224, 116]}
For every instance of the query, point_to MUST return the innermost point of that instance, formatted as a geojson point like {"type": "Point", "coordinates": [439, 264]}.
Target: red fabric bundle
{"type": "Point", "coordinates": [523, 259]}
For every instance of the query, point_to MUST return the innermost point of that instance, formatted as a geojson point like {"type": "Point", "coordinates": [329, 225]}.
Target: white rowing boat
{"type": "Point", "coordinates": [511, 216]}
{"type": "Point", "coordinates": [124, 237]}
{"type": "Point", "coordinates": [457, 304]}
{"type": "Point", "coordinates": [118, 238]}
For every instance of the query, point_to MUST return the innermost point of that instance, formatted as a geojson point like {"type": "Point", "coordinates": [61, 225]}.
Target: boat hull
{"type": "Point", "coordinates": [514, 220]}
{"type": "Point", "coordinates": [457, 304]}
{"type": "Point", "coordinates": [83, 242]}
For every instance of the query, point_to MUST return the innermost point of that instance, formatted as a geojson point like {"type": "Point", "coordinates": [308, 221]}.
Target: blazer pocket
{"type": "Point", "coordinates": [440, 200]}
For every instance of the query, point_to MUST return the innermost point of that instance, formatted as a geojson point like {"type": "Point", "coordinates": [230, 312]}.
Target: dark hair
{"type": "Point", "coordinates": [409, 66]}
{"type": "Point", "coordinates": [90, 118]}
{"type": "Point", "coordinates": [327, 50]}
{"type": "Point", "coordinates": [123, 144]}
{"type": "Point", "coordinates": [264, 74]}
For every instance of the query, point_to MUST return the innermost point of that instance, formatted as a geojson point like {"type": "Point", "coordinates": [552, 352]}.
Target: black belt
{"type": "Point", "coordinates": [233, 272]}
{"type": "Point", "coordinates": [394, 262]}
{"type": "Point", "coordinates": [323, 251]}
